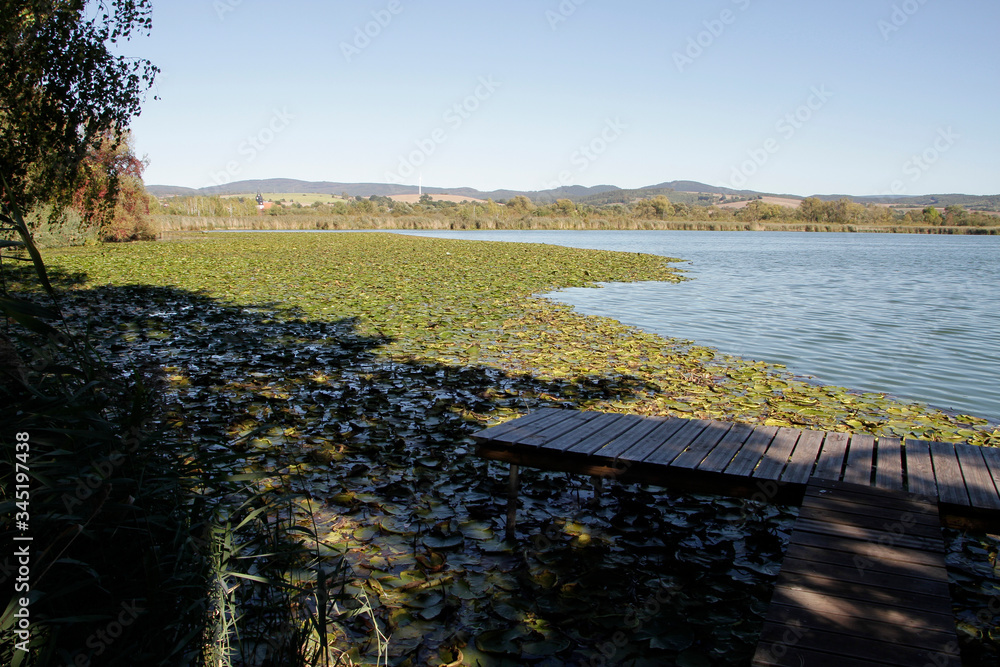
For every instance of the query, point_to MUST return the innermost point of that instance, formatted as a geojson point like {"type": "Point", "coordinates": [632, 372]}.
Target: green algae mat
{"type": "Point", "coordinates": [353, 367]}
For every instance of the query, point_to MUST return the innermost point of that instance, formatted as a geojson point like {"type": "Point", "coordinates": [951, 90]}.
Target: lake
{"type": "Point", "coordinates": [915, 316]}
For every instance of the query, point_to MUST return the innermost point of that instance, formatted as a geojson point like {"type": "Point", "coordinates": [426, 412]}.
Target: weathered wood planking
{"type": "Point", "coordinates": [741, 458]}
{"type": "Point", "coordinates": [863, 579]}
{"type": "Point", "coordinates": [859, 589]}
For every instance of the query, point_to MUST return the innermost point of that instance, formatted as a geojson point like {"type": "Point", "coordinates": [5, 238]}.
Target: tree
{"type": "Point", "coordinates": [565, 207]}
{"type": "Point", "coordinates": [62, 92]}
{"type": "Point", "coordinates": [520, 204]}
{"type": "Point", "coordinates": [114, 166]}
{"type": "Point", "coordinates": [932, 216]}
{"type": "Point", "coordinates": [812, 209]}
{"type": "Point", "coordinates": [760, 210]}
{"type": "Point", "coordinates": [655, 207]}
{"type": "Point", "coordinates": [956, 215]}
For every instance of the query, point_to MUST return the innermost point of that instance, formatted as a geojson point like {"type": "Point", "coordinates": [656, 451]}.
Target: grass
{"type": "Point", "coordinates": [348, 371]}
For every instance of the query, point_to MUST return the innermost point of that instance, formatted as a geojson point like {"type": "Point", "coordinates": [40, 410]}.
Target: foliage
{"type": "Point", "coordinates": [52, 227]}
{"type": "Point", "coordinates": [110, 193]}
{"type": "Point", "coordinates": [62, 91]}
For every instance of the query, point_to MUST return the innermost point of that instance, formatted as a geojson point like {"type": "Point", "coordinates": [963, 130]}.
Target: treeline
{"type": "Point", "coordinates": [490, 214]}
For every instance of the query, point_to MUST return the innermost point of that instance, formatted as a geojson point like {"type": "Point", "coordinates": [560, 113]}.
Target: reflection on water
{"type": "Point", "coordinates": [915, 316]}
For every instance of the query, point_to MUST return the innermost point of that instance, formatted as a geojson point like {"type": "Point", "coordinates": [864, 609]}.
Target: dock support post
{"type": "Point", "coordinates": [598, 483]}
{"type": "Point", "coordinates": [512, 484]}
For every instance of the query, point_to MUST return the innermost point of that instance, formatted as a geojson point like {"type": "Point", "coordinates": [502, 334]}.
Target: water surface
{"type": "Point", "coordinates": [916, 316]}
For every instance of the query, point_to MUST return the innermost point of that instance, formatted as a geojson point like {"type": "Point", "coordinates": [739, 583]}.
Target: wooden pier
{"type": "Point", "coordinates": [863, 580]}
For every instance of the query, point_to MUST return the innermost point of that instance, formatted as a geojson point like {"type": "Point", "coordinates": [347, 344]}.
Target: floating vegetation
{"type": "Point", "coordinates": [355, 367]}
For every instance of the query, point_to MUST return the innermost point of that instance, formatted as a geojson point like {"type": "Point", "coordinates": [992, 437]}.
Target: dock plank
{"type": "Point", "coordinates": [696, 452]}
{"type": "Point", "coordinates": [991, 456]}
{"type": "Point", "coordinates": [947, 471]}
{"type": "Point", "coordinates": [667, 451]}
{"type": "Point", "coordinates": [727, 449]}
{"type": "Point", "coordinates": [612, 450]}
{"type": "Point", "coordinates": [652, 441]}
{"type": "Point", "coordinates": [592, 423]}
{"type": "Point", "coordinates": [522, 424]}
{"type": "Point", "coordinates": [978, 481]}
{"type": "Point", "coordinates": [889, 464]}
{"type": "Point", "coordinates": [900, 579]}
{"type": "Point", "coordinates": [807, 449]}
{"type": "Point", "coordinates": [549, 433]}
{"type": "Point", "coordinates": [831, 457]}
{"type": "Point", "coordinates": [752, 451]}
{"type": "Point", "coordinates": [860, 452]}
{"type": "Point", "coordinates": [920, 469]}
{"type": "Point", "coordinates": [603, 435]}
{"type": "Point", "coordinates": [820, 510]}
{"type": "Point", "coordinates": [776, 457]}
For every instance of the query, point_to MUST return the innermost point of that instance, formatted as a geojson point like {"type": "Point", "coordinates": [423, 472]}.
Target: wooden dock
{"type": "Point", "coordinates": [763, 462]}
{"type": "Point", "coordinates": [863, 581]}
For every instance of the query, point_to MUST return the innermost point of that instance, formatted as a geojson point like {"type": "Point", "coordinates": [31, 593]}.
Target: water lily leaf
{"type": "Point", "coordinates": [449, 542]}
{"type": "Point", "coordinates": [677, 640]}
{"type": "Point", "coordinates": [547, 646]}
{"type": "Point", "coordinates": [365, 533]}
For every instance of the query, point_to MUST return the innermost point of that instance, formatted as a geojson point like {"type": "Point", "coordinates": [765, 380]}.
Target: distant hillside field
{"type": "Point", "coordinates": [413, 199]}
{"type": "Point", "coordinates": [780, 201]}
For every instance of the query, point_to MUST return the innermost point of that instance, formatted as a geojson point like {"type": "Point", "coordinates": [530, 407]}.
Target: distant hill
{"type": "Point", "coordinates": [686, 192]}
{"type": "Point", "coordinates": [368, 189]}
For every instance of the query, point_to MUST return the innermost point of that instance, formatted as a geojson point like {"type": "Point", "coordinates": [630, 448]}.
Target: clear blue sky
{"type": "Point", "coordinates": [778, 96]}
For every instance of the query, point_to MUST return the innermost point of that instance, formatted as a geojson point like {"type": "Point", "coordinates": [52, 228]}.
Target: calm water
{"type": "Point", "coordinates": [915, 316]}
